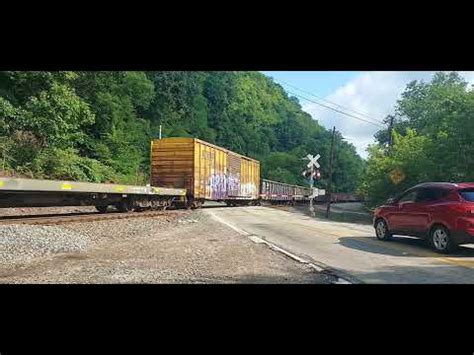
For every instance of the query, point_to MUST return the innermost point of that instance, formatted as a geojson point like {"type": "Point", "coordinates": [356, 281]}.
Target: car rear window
{"type": "Point", "coordinates": [467, 194]}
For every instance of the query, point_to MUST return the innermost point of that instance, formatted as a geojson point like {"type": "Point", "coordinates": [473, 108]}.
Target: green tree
{"type": "Point", "coordinates": [432, 138]}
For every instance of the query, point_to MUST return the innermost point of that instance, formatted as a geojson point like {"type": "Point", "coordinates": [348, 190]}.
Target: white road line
{"type": "Point", "coordinates": [219, 219]}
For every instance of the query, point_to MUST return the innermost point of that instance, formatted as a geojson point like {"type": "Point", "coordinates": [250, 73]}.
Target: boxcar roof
{"type": "Point", "coordinates": [213, 146]}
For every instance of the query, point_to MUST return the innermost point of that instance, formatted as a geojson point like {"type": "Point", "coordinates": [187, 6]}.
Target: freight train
{"type": "Point", "coordinates": [184, 172]}
{"type": "Point", "coordinates": [338, 197]}
{"type": "Point", "coordinates": [278, 192]}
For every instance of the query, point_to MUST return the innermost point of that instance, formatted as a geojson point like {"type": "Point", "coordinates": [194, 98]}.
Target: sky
{"type": "Point", "coordinates": [371, 93]}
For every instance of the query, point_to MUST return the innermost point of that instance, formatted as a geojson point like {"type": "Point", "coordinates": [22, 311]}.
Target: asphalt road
{"type": "Point", "coordinates": [350, 249]}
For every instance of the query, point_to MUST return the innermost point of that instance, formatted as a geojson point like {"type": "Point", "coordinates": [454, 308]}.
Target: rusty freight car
{"type": "Point", "coordinates": [276, 192]}
{"type": "Point", "coordinates": [206, 171]}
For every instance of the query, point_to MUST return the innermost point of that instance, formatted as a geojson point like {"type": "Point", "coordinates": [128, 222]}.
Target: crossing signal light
{"type": "Point", "coordinates": [315, 174]}
{"type": "Point", "coordinates": [307, 174]}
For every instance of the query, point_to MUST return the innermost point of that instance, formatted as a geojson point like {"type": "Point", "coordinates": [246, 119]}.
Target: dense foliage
{"type": "Point", "coordinates": [96, 126]}
{"type": "Point", "coordinates": [432, 138]}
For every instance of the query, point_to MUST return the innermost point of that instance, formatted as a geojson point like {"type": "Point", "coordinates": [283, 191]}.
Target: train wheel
{"type": "Point", "coordinates": [189, 203]}
{"type": "Point", "coordinates": [101, 209]}
{"type": "Point", "coordinates": [196, 204]}
{"type": "Point", "coordinates": [124, 206]}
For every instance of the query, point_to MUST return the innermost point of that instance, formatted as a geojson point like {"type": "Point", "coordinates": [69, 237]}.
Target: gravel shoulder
{"type": "Point", "coordinates": [32, 211]}
{"type": "Point", "coordinates": [179, 247]}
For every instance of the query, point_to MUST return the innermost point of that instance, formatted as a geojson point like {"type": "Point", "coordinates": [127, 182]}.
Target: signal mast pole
{"type": "Point", "coordinates": [311, 183]}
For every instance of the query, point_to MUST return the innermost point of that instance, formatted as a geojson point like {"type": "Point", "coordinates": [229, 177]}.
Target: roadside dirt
{"type": "Point", "coordinates": [193, 248]}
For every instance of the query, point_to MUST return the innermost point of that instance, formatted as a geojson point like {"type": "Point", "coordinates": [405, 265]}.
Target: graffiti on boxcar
{"type": "Point", "coordinates": [218, 186]}
{"type": "Point", "coordinates": [248, 189]}
{"type": "Point", "coordinates": [223, 185]}
{"type": "Point", "coordinates": [233, 185]}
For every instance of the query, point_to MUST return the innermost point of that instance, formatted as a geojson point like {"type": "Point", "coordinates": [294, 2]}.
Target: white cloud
{"type": "Point", "coordinates": [372, 93]}
{"type": "Point", "coordinates": [468, 76]}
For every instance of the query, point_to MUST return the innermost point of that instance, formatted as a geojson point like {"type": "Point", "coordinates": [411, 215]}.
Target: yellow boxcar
{"type": "Point", "coordinates": [207, 171]}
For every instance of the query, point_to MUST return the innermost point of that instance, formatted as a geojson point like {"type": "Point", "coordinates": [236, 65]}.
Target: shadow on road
{"type": "Point", "coordinates": [309, 278]}
{"type": "Point", "coordinates": [343, 216]}
{"type": "Point", "coordinates": [346, 217]}
{"type": "Point", "coordinates": [399, 246]}
{"type": "Point", "coordinates": [434, 274]}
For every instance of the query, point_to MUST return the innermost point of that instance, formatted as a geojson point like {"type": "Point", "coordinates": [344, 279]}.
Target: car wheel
{"type": "Point", "coordinates": [381, 230]}
{"type": "Point", "coordinates": [441, 240]}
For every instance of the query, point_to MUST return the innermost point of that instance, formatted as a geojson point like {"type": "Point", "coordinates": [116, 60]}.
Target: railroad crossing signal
{"type": "Point", "coordinates": [313, 161]}
{"type": "Point", "coordinates": [311, 174]}
{"type": "Point", "coordinates": [307, 174]}
{"type": "Point", "coordinates": [315, 174]}
{"type": "Point", "coordinates": [314, 194]}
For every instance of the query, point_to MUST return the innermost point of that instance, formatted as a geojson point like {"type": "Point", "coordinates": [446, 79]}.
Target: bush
{"type": "Point", "coordinates": [66, 164]}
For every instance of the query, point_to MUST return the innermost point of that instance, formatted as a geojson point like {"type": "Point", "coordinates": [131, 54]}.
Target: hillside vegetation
{"type": "Point", "coordinates": [97, 126]}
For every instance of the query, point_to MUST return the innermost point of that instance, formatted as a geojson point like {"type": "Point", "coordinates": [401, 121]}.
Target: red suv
{"type": "Point", "coordinates": [441, 212]}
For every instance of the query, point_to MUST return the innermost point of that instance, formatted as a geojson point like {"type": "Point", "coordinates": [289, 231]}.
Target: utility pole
{"type": "Point", "coordinates": [390, 128]}
{"type": "Point", "coordinates": [331, 161]}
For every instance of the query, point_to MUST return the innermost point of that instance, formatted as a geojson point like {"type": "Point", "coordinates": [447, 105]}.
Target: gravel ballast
{"type": "Point", "coordinates": [32, 211]}
{"type": "Point", "coordinates": [21, 243]}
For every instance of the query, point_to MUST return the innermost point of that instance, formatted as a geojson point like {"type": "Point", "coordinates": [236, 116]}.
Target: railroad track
{"type": "Point", "coordinates": [79, 217]}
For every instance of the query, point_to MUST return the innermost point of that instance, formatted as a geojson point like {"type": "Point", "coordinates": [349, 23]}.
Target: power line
{"type": "Point", "coordinates": [336, 110]}
{"type": "Point", "coordinates": [333, 103]}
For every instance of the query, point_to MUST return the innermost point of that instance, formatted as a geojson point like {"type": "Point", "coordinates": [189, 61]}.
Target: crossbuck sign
{"type": "Point", "coordinates": [313, 160]}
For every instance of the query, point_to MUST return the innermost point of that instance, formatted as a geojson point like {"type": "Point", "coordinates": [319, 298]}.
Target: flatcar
{"type": "Point", "coordinates": [18, 192]}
